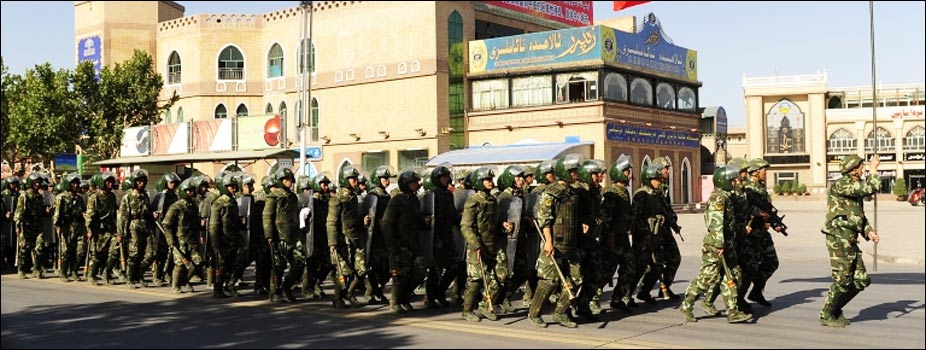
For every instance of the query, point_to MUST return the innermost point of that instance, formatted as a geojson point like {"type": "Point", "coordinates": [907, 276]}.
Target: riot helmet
{"type": "Point", "coordinates": [588, 168]}
{"type": "Point", "coordinates": [651, 172]}
{"type": "Point", "coordinates": [438, 172]}
{"type": "Point", "coordinates": [724, 177]}
{"type": "Point", "coordinates": [567, 164]}
{"type": "Point", "coordinates": [303, 183]}
{"type": "Point", "coordinates": [757, 164]}
{"type": "Point", "coordinates": [347, 172]}
{"type": "Point", "coordinates": [507, 178]}
{"type": "Point", "coordinates": [406, 178]}
{"type": "Point", "coordinates": [545, 167]}
{"type": "Point", "coordinates": [480, 175]}
{"type": "Point", "coordinates": [616, 172]}
{"type": "Point", "coordinates": [318, 180]}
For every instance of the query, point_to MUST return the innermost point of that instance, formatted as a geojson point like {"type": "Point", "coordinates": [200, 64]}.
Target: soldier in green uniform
{"type": "Point", "coordinates": [486, 263]}
{"type": "Point", "coordinates": [30, 207]}
{"type": "Point", "coordinates": [649, 217]}
{"type": "Point", "coordinates": [748, 260]}
{"type": "Point", "coordinates": [101, 228]}
{"type": "Point", "coordinates": [671, 256]}
{"type": "Point", "coordinates": [759, 244]}
{"type": "Point", "coordinates": [512, 184]}
{"type": "Point", "coordinates": [378, 255]}
{"type": "Point", "coordinates": [402, 223]}
{"type": "Point", "coordinates": [68, 217]}
{"type": "Point", "coordinates": [445, 267]}
{"type": "Point", "coordinates": [159, 260]}
{"type": "Point", "coordinates": [281, 226]}
{"type": "Point", "coordinates": [557, 217]}
{"type": "Point", "coordinates": [224, 227]}
{"type": "Point", "coordinates": [617, 216]}
{"type": "Point", "coordinates": [346, 239]}
{"type": "Point", "coordinates": [258, 250]}
{"type": "Point", "coordinates": [241, 239]}
{"type": "Point", "coordinates": [132, 226]}
{"type": "Point", "coordinates": [181, 232]}
{"type": "Point", "coordinates": [9, 191]}
{"type": "Point", "coordinates": [594, 254]}
{"type": "Point", "coordinates": [718, 261]}
{"type": "Point", "coordinates": [82, 243]}
{"type": "Point", "coordinates": [845, 222]}
{"type": "Point", "coordinates": [319, 264]}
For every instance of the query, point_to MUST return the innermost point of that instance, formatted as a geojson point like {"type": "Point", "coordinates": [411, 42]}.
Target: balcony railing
{"type": "Point", "coordinates": [231, 73]}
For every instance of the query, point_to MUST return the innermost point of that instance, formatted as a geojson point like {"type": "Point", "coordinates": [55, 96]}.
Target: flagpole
{"type": "Point", "coordinates": [874, 118]}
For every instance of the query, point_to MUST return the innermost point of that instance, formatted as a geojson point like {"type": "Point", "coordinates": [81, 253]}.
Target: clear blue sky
{"type": "Point", "coordinates": [732, 39]}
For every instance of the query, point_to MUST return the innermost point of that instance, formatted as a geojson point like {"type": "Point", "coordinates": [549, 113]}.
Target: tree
{"type": "Point", "coordinates": [125, 95]}
{"type": "Point", "coordinates": [7, 151]}
{"type": "Point", "coordinates": [802, 189]}
{"type": "Point", "coordinates": [900, 189]}
{"type": "Point", "coordinates": [42, 121]}
{"type": "Point", "coordinates": [786, 188]}
{"type": "Point", "coordinates": [777, 189]}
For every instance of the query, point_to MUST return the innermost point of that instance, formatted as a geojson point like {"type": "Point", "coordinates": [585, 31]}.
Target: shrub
{"type": "Point", "coordinates": [802, 189]}
{"type": "Point", "coordinates": [777, 189]}
{"type": "Point", "coordinates": [786, 188]}
{"type": "Point", "coordinates": [900, 187]}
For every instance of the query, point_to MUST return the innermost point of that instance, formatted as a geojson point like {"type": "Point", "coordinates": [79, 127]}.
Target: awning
{"type": "Point", "coordinates": [511, 154]}
{"type": "Point", "coordinates": [201, 157]}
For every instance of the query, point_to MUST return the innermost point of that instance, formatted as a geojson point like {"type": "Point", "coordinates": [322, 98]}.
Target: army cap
{"type": "Point", "coordinates": [757, 164]}
{"type": "Point", "coordinates": [849, 163]}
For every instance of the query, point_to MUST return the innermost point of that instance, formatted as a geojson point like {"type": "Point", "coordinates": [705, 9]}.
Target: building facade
{"type": "Point", "coordinates": [803, 128]}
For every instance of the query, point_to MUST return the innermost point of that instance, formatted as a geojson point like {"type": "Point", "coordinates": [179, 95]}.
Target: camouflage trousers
{"type": "Point", "coordinates": [136, 246]}
{"type": "Point", "coordinates": [349, 263]}
{"type": "Point", "coordinates": [594, 267]}
{"type": "Point", "coordinates": [67, 250]}
{"type": "Point", "coordinates": [180, 252]}
{"type": "Point", "coordinates": [487, 269]}
{"type": "Point", "coordinates": [31, 251]}
{"type": "Point", "coordinates": [671, 257]}
{"type": "Point", "coordinates": [82, 246]}
{"type": "Point", "coordinates": [712, 274]}
{"type": "Point", "coordinates": [239, 248]}
{"type": "Point", "coordinates": [570, 265]}
{"type": "Point", "coordinates": [847, 268]}
{"type": "Point", "coordinates": [155, 253]}
{"type": "Point", "coordinates": [758, 257]}
{"type": "Point", "coordinates": [282, 254]}
{"type": "Point", "coordinates": [621, 260]}
{"type": "Point", "coordinates": [445, 267]}
{"type": "Point", "coordinates": [408, 270]}
{"type": "Point", "coordinates": [649, 262]}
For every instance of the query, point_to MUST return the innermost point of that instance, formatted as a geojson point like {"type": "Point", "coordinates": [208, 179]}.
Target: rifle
{"type": "Point", "coordinates": [486, 295]}
{"type": "Point", "coordinates": [774, 219]}
{"type": "Point", "coordinates": [559, 272]}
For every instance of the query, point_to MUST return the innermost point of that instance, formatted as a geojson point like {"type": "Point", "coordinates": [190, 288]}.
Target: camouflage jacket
{"type": "Point", "coordinates": [742, 211]}
{"type": "Point", "coordinates": [181, 223]}
{"type": "Point", "coordinates": [167, 198]}
{"type": "Point", "coordinates": [224, 223]}
{"type": "Point", "coordinates": [846, 204]}
{"type": "Point", "coordinates": [68, 210]}
{"type": "Point", "coordinates": [558, 210]}
{"type": "Point", "coordinates": [344, 219]}
{"type": "Point", "coordinates": [320, 214]}
{"type": "Point", "coordinates": [30, 207]}
{"type": "Point", "coordinates": [616, 211]}
{"type": "Point", "coordinates": [479, 224]}
{"type": "Point", "coordinates": [719, 217]}
{"type": "Point", "coordinates": [402, 222]}
{"type": "Point", "coordinates": [134, 207]}
{"type": "Point", "coordinates": [281, 216]}
{"type": "Point", "coordinates": [382, 201]}
{"type": "Point", "coordinates": [101, 211]}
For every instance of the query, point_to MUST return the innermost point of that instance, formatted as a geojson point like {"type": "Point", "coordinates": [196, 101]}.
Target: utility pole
{"type": "Point", "coordinates": [305, 89]}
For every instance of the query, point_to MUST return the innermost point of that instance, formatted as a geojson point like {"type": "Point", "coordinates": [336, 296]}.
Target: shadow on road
{"type": "Point", "coordinates": [882, 311]}
{"type": "Point", "coordinates": [187, 322]}
{"type": "Point", "coordinates": [910, 278]}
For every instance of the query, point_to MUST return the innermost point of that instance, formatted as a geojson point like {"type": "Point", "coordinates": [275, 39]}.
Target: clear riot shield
{"type": "Point", "coordinates": [509, 209]}
{"type": "Point", "coordinates": [48, 227]}
{"type": "Point", "coordinates": [306, 221]}
{"type": "Point", "coordinates": [369, 209]}
{"type": "Point", "coordinates": [426, 234]}
{"type": "Point", "coordinates": [244, 211]}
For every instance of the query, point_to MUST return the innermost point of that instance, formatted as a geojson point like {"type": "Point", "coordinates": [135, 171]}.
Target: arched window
{"type": "Point", "coordinates": [220, 112]}
{"type": "Point", "coordinates": [275, 62]}
{"type": "Point", "coordinates": [314, 129]}
{"type": "Point", "coordinates": [242, 111]}
{"type": "Point", "coordinates": [302, 56]}
{"type": "Point", "coordinates": [283, 110]}
{"type": "Point", "coordinates": [885, 141]}
{"type": "Point", "coordinates": [686, 181]}
{"type": "Point", "coordinates": [231, 64]}
{"type": "Point", "coordinates": [180, 115]}
{"type": "Point", "coordinates": [841, 141]}
{"type": "Point", "coordinates": [914, 141]}
{"type": "Point", "coordinates": [641, 92]}
{"type": "Point", "coordinates": [665, 96]}
{"type": "Point", "coordinates": [615, 87]}
{"type": "Point", "coordinates": [167, 117]}
{"type": "Point", "coordinates": [455, 66]}
{"type": "Point", "coordinates": [268, 109]}
{"type": "Point", "coordinates": [670, 182]}
{"type": "Point", "coordinates": [686, 99]}
{"type": "Point", "coordinates": [173, 68]}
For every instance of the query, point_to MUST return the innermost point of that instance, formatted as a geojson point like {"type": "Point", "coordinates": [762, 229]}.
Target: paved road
{"type": "Point", "coordinates": [890, 314]}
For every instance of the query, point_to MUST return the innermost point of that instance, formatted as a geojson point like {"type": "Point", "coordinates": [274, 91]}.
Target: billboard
{"type": "Point", "coordinates": [212, 135]}
{"type": "Point", "coordinates": [170, 138]}
{"type": "Point", "coordinates": [66, 162]}
{"type": "Point", "coordinates": [91, 49]}
{"type": "Point", "coordinates": [573, 13]}
{"type": "Point", "coordinates": [135, 142]}
{"type": "Point", "coordinates": [259, 132]}
{"type": "Point", "coordinates": [649, 49]}
{"type": "Point", "coordinates": [650, 136]}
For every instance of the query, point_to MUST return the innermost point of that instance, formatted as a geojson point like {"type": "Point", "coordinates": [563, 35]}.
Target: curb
{"type": "Point", "coordinates": [896, 259]}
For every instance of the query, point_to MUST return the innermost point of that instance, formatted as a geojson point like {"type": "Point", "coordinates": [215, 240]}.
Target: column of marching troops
{"type": "Point", "coordinates": [562, 240]}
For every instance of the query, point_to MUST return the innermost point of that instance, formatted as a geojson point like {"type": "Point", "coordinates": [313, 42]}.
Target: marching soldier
{"type": "Point", "coordinates": [402, 222]}
{"type": "Point", "coordinates": [258, 250]}
{"type": "Point", "coordinates": [545, 175]}
{"type": "Point", "coordinates": [132, 226]}
{"type": "Point", "coordinates": [156, 253]}
{"type": "Point", "coordinates": [649, 219]}
{"type": "Point", "coordinates": [845, 222]}
{"type": "Point", "coordinates": [319, 264]}
{"type": "Point", "coordinates": [280, 229]}
{"type": "Point", "coordinates": [759, 244]}
{"type": "Point", "coordinates": [30, 208]}
{"type": "Point", "coordinates": [241, 239]}
{"type": "Point", "coordinates": [379, 258]}
{"type": "Point", "coordinates": [9, 191]}
{"type": "Point", "coordinates": [672, 258]}
{"type": "Point", "coordinates": [718, 263]}
{"type": "Point", "coordinates": [181, 232]}
{"type": "Point", "coordinates": [101, 228]}
{"type": "Point", "coordinates": [82, 244]}
{"type": "Point", "coordinates": [486, 263]}
{"type": "Point", "coordinates": [594, 256]}
{"type": "Point", "coordinates": [346, 239]}
{"type": "Point", "coordinates": [513, 185]}
{"type": "Point", "coordinates": [224, 227]}
{"type": "Point", "coordinates": [68, 217]}
{"type": "Point", "coordinates": [618, 217]}
{"type": "Point", "coordinates": [557, 217]}
{"type": "Point", "coordinates": [445, 267]}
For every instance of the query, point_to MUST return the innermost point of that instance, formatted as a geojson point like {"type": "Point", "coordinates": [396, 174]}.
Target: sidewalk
{"type": "Point", "coordinates": [902, 228]}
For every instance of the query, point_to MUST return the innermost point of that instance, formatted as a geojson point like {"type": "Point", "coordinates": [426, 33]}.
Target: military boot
{"type": "Point", "coordinates": [841, 302]}
{"type": "Point", "coordinates": [756, 294]}
{"type": "Point", "coordinates": [619, 304]}
{"type": "Point", "coordinates": [210, 276]}
{"type": "Point", "coordinates": [561, 317]}
{"type": "Point", "coordinates": [541, 293]}
{"type": "Point", "coordinates": [287, 288]}
{"type": "Point", "coordinates": [738, 317]}
{"type": "Point", "coordinates": [176, 280]}
{"type": "Point", "coordinates": [217, 288]}
{"type": "Point", "coordinates": [488, 311]}
{"type": "Point", "coordinates": [709, 308]}
{"type": "Point", "coordinates": [471, 316]}
{"type": "Point", "coordinates": [130, 275]}
{"type": "Point", "coordinates": [667, 293]}
{"type": "Point", "coordinates": [687, 306]}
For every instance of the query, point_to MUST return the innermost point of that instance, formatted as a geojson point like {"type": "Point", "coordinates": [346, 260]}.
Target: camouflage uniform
{"type": "Point", "coordinates": [845, 221]}
{"type": "Point", "coordinates": [486, 263]}
{"type": "Point", "coordinates": [101, 225]}
{"type": "Point", "coordinates": [280, 228]}
{"type": "Point", "coordinates": [671, 256]}
{"type": "Point", "coordinates": [616, 210]}
{"type": "Point", "coordinates": [258, 250]}
{"type": "Point", "coordinates": [181, 231]}
{"type": "Point", "coordinates": [758, 245]}
{"type": "Point", "coordinates": [319, 264]}
{"type": "Point", "coordinates": [594, 254]}
{"type": "Point", "coordinates": [648, 224]}
{"type": "Point", "coordinates": [68, 218]}
{"type": "Point", "coordinates": [378, 255]}
{"type": "Point", "coordinates": [402, 223]}
{"type": "Point", "coordinates": [446, 267]}
{"type": "Point", "coordinates": [346, 234]}
{"type": "Point", "coordinates": [522, 268]}
{"type": "Point", "coordinates": [132, 226]}
{"type": "Point", "coordinates": [558, 211]}
{"type": "Point", "coordinates": [225, 226]}
{"type": "Point", "coordinates": [156, 252]}
{"type": "Point", "coordinates": [30, 208]}
{"type": "Point", "coordinates": [719, 218]}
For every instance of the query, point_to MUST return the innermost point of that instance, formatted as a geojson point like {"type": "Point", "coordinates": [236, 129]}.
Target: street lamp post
{"type": "Point", "coordinates": [305, 89]}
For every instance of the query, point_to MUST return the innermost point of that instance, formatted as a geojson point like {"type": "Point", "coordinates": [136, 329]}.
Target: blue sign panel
{"type": "Point", "coordinates": [650, 136]}
{"type": "Point", "coordinates": [91, 49]}
{"type": "Point", "coordinates": [66, 162]}
{"type": "Point", "coordinates": [312, 153]}
{"type": "Point", "coordinates": [535, 49]}
{"type": "Point", "coordinates": [649, 49]}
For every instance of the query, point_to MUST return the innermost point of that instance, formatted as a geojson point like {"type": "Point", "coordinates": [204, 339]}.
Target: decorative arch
{"type": "Point", "coordinates": [686, 181]}
{"type": "Point", "coordinates": [230, 63]}
{"type": "Point", "coordinates": [275, 58]}
{"type": "Point", "coordinates": [174, 68]}
{"type": "Point", "coordinates": [784, 128]}
{"type": "Point", "coordinates": [220, 111]}
{"type": "Point", "coordinates": [841, 140]}
{"type": "Point", "coordinates": [242, 110]}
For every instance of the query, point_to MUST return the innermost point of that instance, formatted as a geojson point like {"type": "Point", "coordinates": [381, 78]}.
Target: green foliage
{"type": "Point", "coordinates": [786, 188]}
{"type": "Point", "coordinates": [900, 187]}
{"type": "Point", "coordinates": [802, 189]}
{"type": "Point", "coordinates": [777, 189]}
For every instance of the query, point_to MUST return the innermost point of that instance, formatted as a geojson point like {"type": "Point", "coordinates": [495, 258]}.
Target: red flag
{"type": "Point", "coordinates": [620, 5]}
